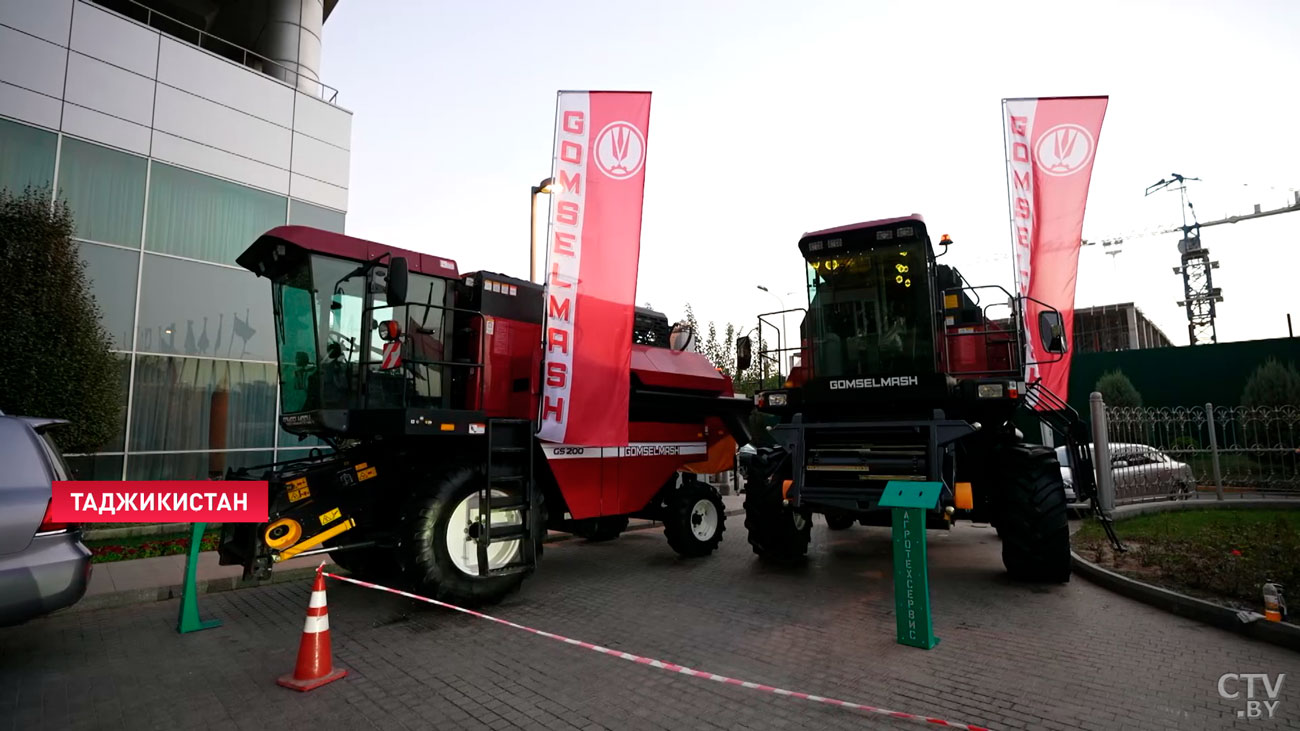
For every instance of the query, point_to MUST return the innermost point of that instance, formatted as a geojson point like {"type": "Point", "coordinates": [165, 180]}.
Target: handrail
{"type": "Point", "coordinates": [367, 360]}
{"type": "Point", "coordinates": [330, 98]}
{"type": "Point", "coordinates": [766, 355]}
{"type": "Point", "coordinates": [1014, 335]}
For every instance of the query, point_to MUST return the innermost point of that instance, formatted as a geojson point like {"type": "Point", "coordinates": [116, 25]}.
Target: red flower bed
{"type": "Point", "coordinates": [148, 548]}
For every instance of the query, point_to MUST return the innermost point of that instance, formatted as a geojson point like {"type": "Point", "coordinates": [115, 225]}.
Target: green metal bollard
{"type": "Point", "coordinates": [189, 621]}
{"type": "Point", "coordinates": [909, 502]}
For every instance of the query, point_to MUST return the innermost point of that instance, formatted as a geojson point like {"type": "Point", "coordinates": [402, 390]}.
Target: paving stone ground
{"type": "Point", "coordinates": [1011, 656]}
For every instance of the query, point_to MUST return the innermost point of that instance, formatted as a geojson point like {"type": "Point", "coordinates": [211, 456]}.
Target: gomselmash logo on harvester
{"type": "Point", "coordinates": [840, 384]}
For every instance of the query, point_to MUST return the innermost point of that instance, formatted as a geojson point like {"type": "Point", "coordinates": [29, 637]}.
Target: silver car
{"type": "Point", "coordinates": [43, 564]}
{"type": "Point", "coordinates": [1067, 475]}
{"type": "Point", "coordinates": [1139, 470]}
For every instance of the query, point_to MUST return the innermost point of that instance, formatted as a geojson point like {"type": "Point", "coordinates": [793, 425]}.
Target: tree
{"type": "Point", "coordinates": [690, 320]}
{"type": "Point", "coordinates": [722, 354]}
{"type": "Point", "coordinates": [1272, 384]}
{"type": "Point", "coordinates": [728, 364]}
{"type": "Point", "coordinates": [56, 361]}
{"type": "Point", "coordinates": [1117, 390]}
{"type": "Point", "coordinates": [711, 349]}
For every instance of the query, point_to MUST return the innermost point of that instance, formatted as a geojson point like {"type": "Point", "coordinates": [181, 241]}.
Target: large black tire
{"type": "Point", "coordinates": [777, 533]}
{"type": "Point", "coordinates": [1032, 516]}
{"type": "Point", "coordinates": [598, 530]}
{"type": "Point", "coordinates": [695, 519]}
{"type": "Point", "coordinates": [369, 564]}
{"type": "Point", "coordinates": [426, 560]}
{"type": "Point", "coordinates": [840, 522]}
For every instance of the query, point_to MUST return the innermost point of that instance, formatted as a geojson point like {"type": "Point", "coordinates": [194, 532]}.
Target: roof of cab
{"type": "Point", "coordinates": [866, 224]}
{"type": "Point", "coordinates": [348, 247]}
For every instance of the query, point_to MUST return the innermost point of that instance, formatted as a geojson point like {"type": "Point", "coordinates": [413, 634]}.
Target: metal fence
{"type": "Point", "coordinates": [1214, 452]}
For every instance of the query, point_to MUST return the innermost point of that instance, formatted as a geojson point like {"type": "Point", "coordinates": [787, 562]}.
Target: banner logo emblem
{"type": "Point", "coordinates": [620, 150]}
{"type": "Point", "coordinates": [1064, 150]}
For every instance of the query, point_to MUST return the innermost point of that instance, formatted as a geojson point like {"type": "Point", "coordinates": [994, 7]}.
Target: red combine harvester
{"type": "Point", "coordinates": [425, 382]}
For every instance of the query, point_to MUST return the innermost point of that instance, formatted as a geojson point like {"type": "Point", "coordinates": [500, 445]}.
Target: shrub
{"type": "Point", "coordinates": [1118, 390]}
{"type": "Point", "coordinates": [1272, 384]}
{"type": "Point", "coordinates": [56, 361]}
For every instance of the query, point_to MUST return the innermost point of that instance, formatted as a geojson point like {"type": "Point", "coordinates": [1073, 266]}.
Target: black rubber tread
{"type": "Point", "coordinates": [679, 517]}
{"type": "Point", "coordinates": [1032, 519]}
{"type": "Point", "coordinates": [423, 549]}
{"type": "Point", "coordinates": [840, 522]}
{"type": "Point", "coordinates": [369, 564]}
{"type": "Point", "coordinates": [773, 532]}
{"type": "Point", "coordinates": [598, 530]}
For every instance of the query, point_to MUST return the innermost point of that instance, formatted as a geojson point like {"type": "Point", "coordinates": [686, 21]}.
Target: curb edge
{"type": "Point", "coordinates": [1283, 634]}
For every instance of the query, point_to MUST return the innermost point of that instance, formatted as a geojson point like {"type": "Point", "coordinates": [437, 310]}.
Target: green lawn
{"type": "Point", "coordinates": [1223, 554]}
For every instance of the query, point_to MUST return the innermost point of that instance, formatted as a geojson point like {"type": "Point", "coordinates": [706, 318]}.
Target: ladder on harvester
{"type": "Point", "coordinates": [509, 471]}
{"type": "Point", "coordinates": [1062, 419]}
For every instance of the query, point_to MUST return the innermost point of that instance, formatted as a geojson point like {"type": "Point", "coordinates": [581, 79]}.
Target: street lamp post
{"type": "Point", "coordinates": [542, 187]}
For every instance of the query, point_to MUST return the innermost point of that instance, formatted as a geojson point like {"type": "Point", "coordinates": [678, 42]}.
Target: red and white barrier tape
{"type": "Point", "coordinates": [670, 667]}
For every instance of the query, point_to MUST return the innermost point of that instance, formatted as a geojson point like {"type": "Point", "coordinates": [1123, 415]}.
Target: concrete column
{"type": "Point", "coordinates": [1132, 328]}
{"type": "Point", "coordinates": [291, 38]}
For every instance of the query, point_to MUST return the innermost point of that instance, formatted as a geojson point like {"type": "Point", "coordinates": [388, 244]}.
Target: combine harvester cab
{"type": "Point", "coordinates": [421, 386]}
{"type": "Point", "coordinates": [907, 372]}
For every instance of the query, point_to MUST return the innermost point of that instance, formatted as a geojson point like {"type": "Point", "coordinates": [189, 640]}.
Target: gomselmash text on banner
{"type": "Point", "coordinates": [593, 248]}
{"type": "Point", "coordinates": [1051, 144]}
{"type": "Point", "coordinates": [159, 501]}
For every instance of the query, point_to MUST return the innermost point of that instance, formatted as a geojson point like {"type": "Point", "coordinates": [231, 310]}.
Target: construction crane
{"type": "Point", "coordinates": [1199, 293]}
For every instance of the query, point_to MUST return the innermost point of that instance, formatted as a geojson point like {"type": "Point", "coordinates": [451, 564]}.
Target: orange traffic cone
{"type": "Point", "coordinates": [315, 666]}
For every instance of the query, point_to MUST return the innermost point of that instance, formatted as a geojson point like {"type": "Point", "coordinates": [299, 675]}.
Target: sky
{"type": "Point", "coordinates": [772, 119]}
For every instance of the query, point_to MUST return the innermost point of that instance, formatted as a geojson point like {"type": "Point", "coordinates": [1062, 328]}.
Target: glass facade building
{"type": "Point", "coordinates": [172, 160]}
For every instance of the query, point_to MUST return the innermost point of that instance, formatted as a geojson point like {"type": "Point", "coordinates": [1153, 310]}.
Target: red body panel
{"type": "Point", "coordinates": [677, 369]}
{"type": "Point", "coordinates": [511, 353]}
{"type": "Point", "coordinates": [987, 350]}
{"type": "Point", "coordinates": [598, 481]}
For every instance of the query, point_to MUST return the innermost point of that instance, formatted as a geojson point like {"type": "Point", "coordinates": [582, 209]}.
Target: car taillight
{"type": "Point", "coordinates": [48, 525]}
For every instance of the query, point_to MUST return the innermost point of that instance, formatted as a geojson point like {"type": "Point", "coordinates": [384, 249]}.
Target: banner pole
{"type": "Point", "coordinates": [1011, 213]}
{"type": "Point", "coordinates": [1011, 237]}
{"type": "Point", "coordinates": [546, 260]}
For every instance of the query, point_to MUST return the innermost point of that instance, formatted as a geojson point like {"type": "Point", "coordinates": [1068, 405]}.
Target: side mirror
{"type": "Point", "coordinates": [397, 277]}
{"type": "Point", "coordinates": [744, 353]}
{"type": "Point", "coordinates": [1051, 331]}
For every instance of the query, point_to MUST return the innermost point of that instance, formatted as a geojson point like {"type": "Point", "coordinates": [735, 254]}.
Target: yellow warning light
{"type": "Point", "coordinates": [945, 240]}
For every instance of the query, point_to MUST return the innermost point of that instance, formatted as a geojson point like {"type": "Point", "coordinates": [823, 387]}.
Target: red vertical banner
{"type": "Point", "coordinates": [593, 248]}
{"type": "Point", "coordinates": [1051, 144]}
